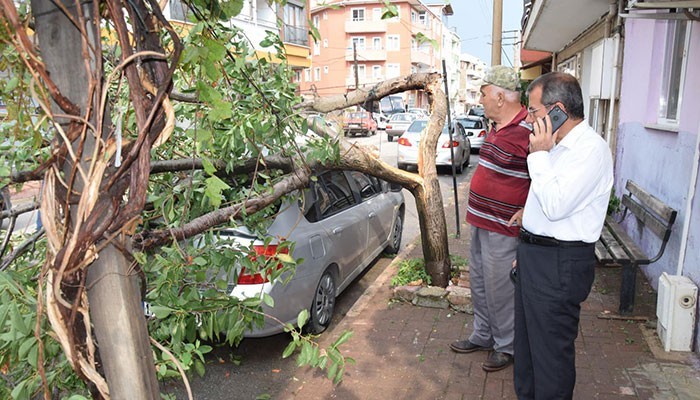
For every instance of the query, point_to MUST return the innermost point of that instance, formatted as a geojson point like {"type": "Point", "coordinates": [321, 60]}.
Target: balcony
{"type": "Point", "coordinates": [418, 27]}
{"type": "Point", "coordinates": [366, 55]}
{"type": "Point", "coordinates": [298, 35]}
{"type": "Point", "coordinates": [420, 57]}
{"type": "Point", "coordinates": [364, 80]}
{"type": "Point", "coordinates": [366, 26]}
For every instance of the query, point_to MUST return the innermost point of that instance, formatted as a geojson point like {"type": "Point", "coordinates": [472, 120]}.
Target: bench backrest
{"type": "Point", "coordinates": [650, 211]}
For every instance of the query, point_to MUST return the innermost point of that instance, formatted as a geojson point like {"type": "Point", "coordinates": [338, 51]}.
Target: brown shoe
{"type": "Point", "coordinates": [465, 346]}
{"type": "Point", "coordinates": [497, 361]}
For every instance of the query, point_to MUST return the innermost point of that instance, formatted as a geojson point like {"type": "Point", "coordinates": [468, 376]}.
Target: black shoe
{"type": "Point", "coordinates": [497, 361]}
{"type": "Point", "coordinates": [465, 346]}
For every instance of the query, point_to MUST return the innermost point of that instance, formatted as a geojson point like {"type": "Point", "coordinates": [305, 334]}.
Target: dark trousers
{"type": "Point", "coordinates": [552, 283]}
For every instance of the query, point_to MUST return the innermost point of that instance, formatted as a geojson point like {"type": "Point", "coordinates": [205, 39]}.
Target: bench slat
{"type": "Point", "coordinates": [645, 217]}
{"type": "Point", "coordinates": [614, 249]}
{"type": "Point", "coordinates": [601, 253]}
{"type": "Point", "coordinates": [667, 214]}
{"type": "Point", "coordinates": [636, 254]}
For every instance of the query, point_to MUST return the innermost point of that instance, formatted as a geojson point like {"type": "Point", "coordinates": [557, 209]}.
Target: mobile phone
{"type": "Point", "coordinates": [558, 117]}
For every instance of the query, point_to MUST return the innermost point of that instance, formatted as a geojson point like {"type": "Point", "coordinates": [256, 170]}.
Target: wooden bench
{"type": "Point", "coordinates": [616, 247]}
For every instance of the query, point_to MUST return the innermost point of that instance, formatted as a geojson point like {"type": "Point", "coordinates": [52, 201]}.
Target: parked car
{"type": "Point", "coordinates": [397, 124]}
{"type": "Point", "coordinates": [476, 129]}
{"type": "Point", "coordinates": [408, 146]}
{"type": "Point", "coordinates": [359, 122]}
{"type": "Point", "coordinates": [419, 112]}
{"type": "Point", "coordinates": [343, 221]}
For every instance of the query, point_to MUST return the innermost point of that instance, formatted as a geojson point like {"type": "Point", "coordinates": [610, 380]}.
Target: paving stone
{"type": "Point", "coordinates": [431, 297]}
{"type": "Point", "coordinates": [406, 293]}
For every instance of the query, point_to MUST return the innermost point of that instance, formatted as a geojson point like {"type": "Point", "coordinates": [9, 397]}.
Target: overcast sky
{"type": "Point", "coordinates": [473, 20]}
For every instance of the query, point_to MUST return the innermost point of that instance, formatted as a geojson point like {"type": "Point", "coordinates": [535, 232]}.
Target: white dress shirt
{"type": "Point", "coordinates": [570, 188]}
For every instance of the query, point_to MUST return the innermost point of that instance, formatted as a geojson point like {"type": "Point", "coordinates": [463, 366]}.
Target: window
{"type": "Point", "coordinates": [178, 10]}
{"type": "Point", "coordinates": [325, 42]}
{"type": "Point", "coordinates": [376, 71]}
{"type": "Point", "coordinates": [368, 186]}
{"type": "Point", "coordinates": [317, 49]}
{"type": "Point", "coordinates": [325, 69]}
{"type": "Point", "coordinates": [297, 76]}
{"type": "Point", "coordinates": [317, 74]}
{"type": "Point", "coordinates": [295, 29]}
{"type": "Point", "coordinates": [358, 14]}
{"type": "Point", "coordinates": [677, 37]}
{"type": "Point", "coordinates": [332, 195]}
{"type": "Point", "coordinates": [414, 16]}
{"type": "Point", "coordinates": [393, 42]}
{"type": "Point", "coordinates": [423, 18]}
{"type": "Point", "coordinates": [376, 14]}
{"type": "Point", "coordinates": [393, 70]}
{"type": "Point", "coordinates": [325, 15]}
{"type": "Point", "coordinates": [361, 71]}
{"type": "Point", "coordinates": [377, 43]}
{"type": "Point", "coordinates": [317, 22]}
{"type": "Point", "coordinates": [307, 74]}
{"type": "Point", "coordinates": [358, 41]}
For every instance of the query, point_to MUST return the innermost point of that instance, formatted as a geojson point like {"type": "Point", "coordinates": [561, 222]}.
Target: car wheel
{"type": "Point", "coordinates": [396, 233]}
{"type": "Point", "coordinates": [460, 167]}
{"type": "Point", "coordinates": [390, 138]}
{"type": "Point", "coordinates": [323, 305]}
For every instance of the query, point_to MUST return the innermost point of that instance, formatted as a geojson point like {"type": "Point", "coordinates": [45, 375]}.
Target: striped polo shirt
{"type": "Point", "coordinates": [500, 183]}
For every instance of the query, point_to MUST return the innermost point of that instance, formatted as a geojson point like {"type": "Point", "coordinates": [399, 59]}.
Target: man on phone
{"type": "Point", "coordinates": [572, 175]}
{"type": "Point", "coordinates": [497, 191]}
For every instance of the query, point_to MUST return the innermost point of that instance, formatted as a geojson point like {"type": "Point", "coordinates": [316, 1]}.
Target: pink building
{"type": "Point", "coordinates": [352, 33]}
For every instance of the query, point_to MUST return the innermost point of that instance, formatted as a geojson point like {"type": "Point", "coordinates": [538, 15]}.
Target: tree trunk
{"type": "Point", "coordinates": [124, 350]}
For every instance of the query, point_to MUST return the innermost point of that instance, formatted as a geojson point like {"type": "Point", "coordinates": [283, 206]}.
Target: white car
{"type": "Point", "coordinates": [408, 146]}
{"type": "Point", "coordinates": [476, 129]}
{"type": "Point", "coordinates": [397, 125]}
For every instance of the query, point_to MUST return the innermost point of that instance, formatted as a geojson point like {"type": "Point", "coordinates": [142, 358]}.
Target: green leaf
{"type": "Point", "coordinates": [26, 346]}
{"type": "Point", "coordinates": [217, 51]}
{"type": "Point", "coordinates": [220, 110]}
{"type": "Point", "coordinates": [285, 258]}
{"type": "Point", "coordinates": [343, 338]}
{"type": "Point", "coordinates": [214, 187]}
{"type": "Point", "coordinates": [208, 166]}
{"type": "Point", "coordinates": [199, 367]}
{"type": "Point", "coordinates": [161, 312]}
{"type": "Point", "coordinates": [289, 349]}
{"type": "Point", "coordinates": [267, 299]}
{"type": "Point", "coordinates": [302, 318]}
{"type": "Point", "coordinates": [11, 84]}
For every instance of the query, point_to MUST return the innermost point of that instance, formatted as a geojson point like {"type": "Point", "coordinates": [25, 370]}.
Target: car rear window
{"type": "Point", "coordinates": [470, 124]}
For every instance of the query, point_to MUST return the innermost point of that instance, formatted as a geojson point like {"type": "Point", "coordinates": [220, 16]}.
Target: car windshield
{"type": "Point", "coordinates": [358, 115]}
{"type": "Point", "coordinates": [470, 123]}
{"type": "Point", "coordinates": [402, 118]}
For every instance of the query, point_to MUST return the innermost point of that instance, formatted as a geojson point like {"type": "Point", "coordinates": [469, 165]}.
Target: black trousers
{"type": "Point", "coordinates": [552, 283]}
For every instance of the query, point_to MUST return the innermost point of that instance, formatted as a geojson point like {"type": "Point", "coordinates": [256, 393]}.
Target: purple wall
{"type": "Point", "coordinates": [660, 161]}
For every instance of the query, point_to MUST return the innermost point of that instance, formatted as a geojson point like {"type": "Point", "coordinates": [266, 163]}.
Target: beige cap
{"type": "Point", "coordinates": [501, 76]}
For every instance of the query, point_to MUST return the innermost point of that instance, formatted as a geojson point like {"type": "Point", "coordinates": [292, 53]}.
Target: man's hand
{"type": "Point", "coordinates": [517, 218]}
{"type": "Point", "coordinates": [541, 138]}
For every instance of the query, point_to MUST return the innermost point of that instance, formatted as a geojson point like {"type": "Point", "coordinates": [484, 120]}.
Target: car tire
{"type": "Point", "coordinates": [396, 234]}
{"type": "Point", "coordinates": [460, 167]}
{"type": "Point", "coordinates": [323, 304]}
{"type": "Point", "coordinates": [401, 166]}
{"type": "Point", "coordinates": [390, 138]}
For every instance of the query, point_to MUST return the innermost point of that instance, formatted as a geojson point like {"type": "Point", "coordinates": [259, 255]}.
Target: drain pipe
{"type": "Point", "coordinates": [692, 188]}
{"type": "Point", "coordinates": [616, 72]}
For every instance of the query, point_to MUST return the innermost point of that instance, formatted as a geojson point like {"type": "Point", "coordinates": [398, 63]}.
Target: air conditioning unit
{"type": "Point", "coordinates": [676, 311]}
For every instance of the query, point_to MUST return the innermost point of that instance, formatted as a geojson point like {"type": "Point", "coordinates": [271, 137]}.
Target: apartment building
{"type": "Point", "coordinates": [471, 68]}
{"type": "Point", "coordinates": [357, 48]}
{"type": "Point", "coordinates": [257, 17]}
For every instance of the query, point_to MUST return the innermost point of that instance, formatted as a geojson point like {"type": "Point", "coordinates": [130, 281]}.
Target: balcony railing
{"type": "Point", "coordinates": [366, 55]}
{"type": "Point", "coordinates": [296, 35]}
{"type": "Point", "coordinates": [420, 57]}
{"type": "Point", "coordinates": [365, 26]}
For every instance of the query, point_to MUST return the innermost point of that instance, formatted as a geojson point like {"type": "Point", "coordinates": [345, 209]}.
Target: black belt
{"type": "Point", "coordinates": [531, 238]}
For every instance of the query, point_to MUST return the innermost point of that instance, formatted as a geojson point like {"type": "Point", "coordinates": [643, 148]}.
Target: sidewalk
{"type": "Point", "coordinates": [401, 351]}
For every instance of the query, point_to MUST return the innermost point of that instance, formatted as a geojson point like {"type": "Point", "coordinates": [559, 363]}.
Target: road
{"type": "Point", "coordinates": [261, 369]}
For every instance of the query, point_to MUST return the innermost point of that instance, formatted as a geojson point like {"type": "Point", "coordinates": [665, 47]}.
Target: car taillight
{"type": "Point", "coordinates": [447, 144]}
{"type": "Point", "coordinates": [482, 134]}
{"type": "Point", "coordinates": [404, 142]}
{"type": "Point", "coordinates": [388, 127]}
{"type": "Point", "coordinates": [257, 278]}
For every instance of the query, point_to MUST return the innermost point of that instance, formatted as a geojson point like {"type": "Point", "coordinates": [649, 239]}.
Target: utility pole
{"type": "Point", "coordinates": [496, 34]}
{"type": "Point", "coordinates": [354, 57]}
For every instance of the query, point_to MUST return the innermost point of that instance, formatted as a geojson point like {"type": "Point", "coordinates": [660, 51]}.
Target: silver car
{"type": "Point", "coordinates": [408, 146]}
{"type": "Point", "coordinates": [398, 123]}
{"type": "Point", "coordinates": [476, 129]}
{"type": "Point", "coordinates": [340, 225]}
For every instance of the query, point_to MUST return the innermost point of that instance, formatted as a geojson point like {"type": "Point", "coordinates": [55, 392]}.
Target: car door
{"type": "Point", "coordinates": [379, 213]}
{"type": "Point", "coordinates": [342, 218]}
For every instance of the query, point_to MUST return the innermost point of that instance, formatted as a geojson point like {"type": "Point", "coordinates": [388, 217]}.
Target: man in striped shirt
{"type": "Point", "coordinates": [497, 195]}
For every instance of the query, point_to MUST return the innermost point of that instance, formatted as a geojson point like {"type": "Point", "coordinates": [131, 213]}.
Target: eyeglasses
{"type": "Point", "coordinates": [532, 111]}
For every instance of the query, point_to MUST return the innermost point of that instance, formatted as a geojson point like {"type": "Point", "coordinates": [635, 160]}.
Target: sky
{"type": "Point", "coordinates": [473, 20]}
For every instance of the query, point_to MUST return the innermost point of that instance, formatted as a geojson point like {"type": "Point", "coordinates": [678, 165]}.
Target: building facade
{"type": "Point", "coordinates": [471, 69]}
{"type": "Point", "coordinates": [358, 49]}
